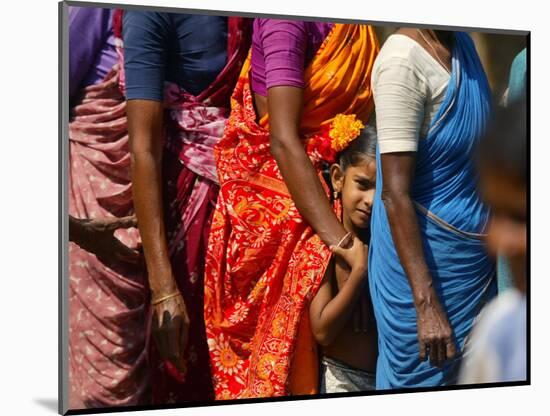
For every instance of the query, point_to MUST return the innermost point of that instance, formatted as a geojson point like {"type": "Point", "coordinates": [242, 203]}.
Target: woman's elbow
{"type": "Point", "coordinates": [144, 156]}
{"type": "Point", "coordinates": [391, 199]}
{"type": "Point", "coordinates": [285, 144]}
{"type": "Point", "coordinates": [276, 146]}
{"type": "Point", "coordinates": [136, 159]}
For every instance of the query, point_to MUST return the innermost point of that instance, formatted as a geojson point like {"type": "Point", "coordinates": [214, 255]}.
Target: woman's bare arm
{"type": "Point", "coordinates": [434, 330]}
{"type": "Point", "coordinates": [285, 112]}
{"type": "Point", "coordinates": [145, 118]}
{"type": "Point", "coordinates": [170, 319]}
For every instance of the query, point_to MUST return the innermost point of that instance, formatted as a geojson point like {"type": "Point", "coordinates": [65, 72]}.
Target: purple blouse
{"type": "Point", "coordinates": [92, 52]}
{"type": "Point", "coordinates": [281, 49]}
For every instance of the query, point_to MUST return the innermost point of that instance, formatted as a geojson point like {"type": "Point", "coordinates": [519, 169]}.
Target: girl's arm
{"type": "Point", "coordinates": [329, 314]}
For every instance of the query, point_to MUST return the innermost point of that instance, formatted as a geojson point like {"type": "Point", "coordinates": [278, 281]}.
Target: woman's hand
{"type": "Point", "coordinates": [435, 336]}
{"type": "Point", "coordinates": [97, 237]}
{"type": "Point", "coordinates": [356, 256]}
{"type": "Point", "coordinates": [171, 330]}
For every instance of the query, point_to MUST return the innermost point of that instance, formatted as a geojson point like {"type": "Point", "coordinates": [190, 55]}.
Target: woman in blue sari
{"type": "Point", "coordinates": [429, 272]}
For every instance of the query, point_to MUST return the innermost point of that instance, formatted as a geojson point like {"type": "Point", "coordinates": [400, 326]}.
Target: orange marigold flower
{"type": "Point", "coordinates": [344, 129]}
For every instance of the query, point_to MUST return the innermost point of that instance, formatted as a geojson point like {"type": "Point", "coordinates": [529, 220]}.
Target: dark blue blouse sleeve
{"type": "Point", "coordinates": [145, 38]}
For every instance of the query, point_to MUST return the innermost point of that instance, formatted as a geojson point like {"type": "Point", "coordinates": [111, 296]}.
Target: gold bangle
{"type": "Point", "coordinates": [170, 296]}
{"type": "Point", "coordinates": [343, 239]}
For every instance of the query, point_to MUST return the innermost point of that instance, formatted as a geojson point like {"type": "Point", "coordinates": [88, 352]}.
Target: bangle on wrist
{"type": "Point", "coordinates": [163, 298]}
{"type": "Point", "coordinates": [343, 239]}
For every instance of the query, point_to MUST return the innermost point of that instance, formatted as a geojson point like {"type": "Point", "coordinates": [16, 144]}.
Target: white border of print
{"type": "Point", "coordinates": [29, 163]}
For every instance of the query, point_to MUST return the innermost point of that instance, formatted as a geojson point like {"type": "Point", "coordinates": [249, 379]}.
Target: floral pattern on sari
{"type": "Point", "coordinates": [264, 262]}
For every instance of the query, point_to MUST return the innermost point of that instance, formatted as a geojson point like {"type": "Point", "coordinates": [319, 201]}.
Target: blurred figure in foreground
{"type": "Point", "coordinates": [498, 345]}
{"type": "Point", "coordinates": [516, 91]}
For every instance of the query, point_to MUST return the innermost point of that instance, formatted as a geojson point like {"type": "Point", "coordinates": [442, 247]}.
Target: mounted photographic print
{"type": "Point", "coordinates": [262, 208]}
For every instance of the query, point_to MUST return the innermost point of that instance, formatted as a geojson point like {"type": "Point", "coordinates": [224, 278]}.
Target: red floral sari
{"type": "Point", "coordinates": [264, 263]}
{"type": "Point", "coordinates": [194, 125]}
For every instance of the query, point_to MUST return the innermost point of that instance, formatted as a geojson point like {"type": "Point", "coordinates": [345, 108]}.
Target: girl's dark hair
{"type": "Point", "coordinates": [504, 146]}
{"type": "Point", "coordinates": [360, 148]}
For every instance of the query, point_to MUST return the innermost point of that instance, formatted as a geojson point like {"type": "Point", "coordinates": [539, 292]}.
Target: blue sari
{"type": "Point", "coordinates": [451, 218]}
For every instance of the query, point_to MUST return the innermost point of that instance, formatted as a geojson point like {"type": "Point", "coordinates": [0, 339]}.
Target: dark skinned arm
{"type": "Point", "coordinates": [434, 330]}
{"type": "Point", "coordinates": [328, 314]}
{"type": "Point", "coordinates": [285, 112]}
{"type": "Point", "coordinates": [97, 236]}
{"type": "Point", "coordinates": [170, 320]}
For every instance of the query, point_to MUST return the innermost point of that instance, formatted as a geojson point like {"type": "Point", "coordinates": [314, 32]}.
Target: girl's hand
{"type": "Point", "coordinates": [356, 256]}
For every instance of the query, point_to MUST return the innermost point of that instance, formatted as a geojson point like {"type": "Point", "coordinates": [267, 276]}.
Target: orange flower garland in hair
{"type": "Point", "coordinates": [344, 129]}
{"type": "Point", "coordinates": [335, 137]}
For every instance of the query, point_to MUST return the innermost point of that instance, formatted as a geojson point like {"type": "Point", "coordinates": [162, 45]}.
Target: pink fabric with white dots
{"type": "Point", "coordinates": [107, 303]}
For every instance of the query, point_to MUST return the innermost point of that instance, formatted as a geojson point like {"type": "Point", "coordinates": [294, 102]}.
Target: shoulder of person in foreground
{"type": "Point", "coordinates": [498, 326]}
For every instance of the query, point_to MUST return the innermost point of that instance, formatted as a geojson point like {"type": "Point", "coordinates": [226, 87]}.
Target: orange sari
{"type": "Point", "coordinates": [264, 262]}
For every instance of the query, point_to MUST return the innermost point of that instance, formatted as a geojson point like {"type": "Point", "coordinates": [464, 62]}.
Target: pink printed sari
{"type": "Point", "coordinates": [107, 302]}
{"type": "Point", "coordinates": [193, 126]}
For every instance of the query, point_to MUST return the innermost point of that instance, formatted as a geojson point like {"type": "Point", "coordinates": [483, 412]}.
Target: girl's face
{"type": "Point", "coordinates": [356, 186]}
{"type": "Point", "coordinates": [507, 232]}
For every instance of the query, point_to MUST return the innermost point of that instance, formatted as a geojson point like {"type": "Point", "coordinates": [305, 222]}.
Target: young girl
{"type": "Point", "coordinates": [349, 352]}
